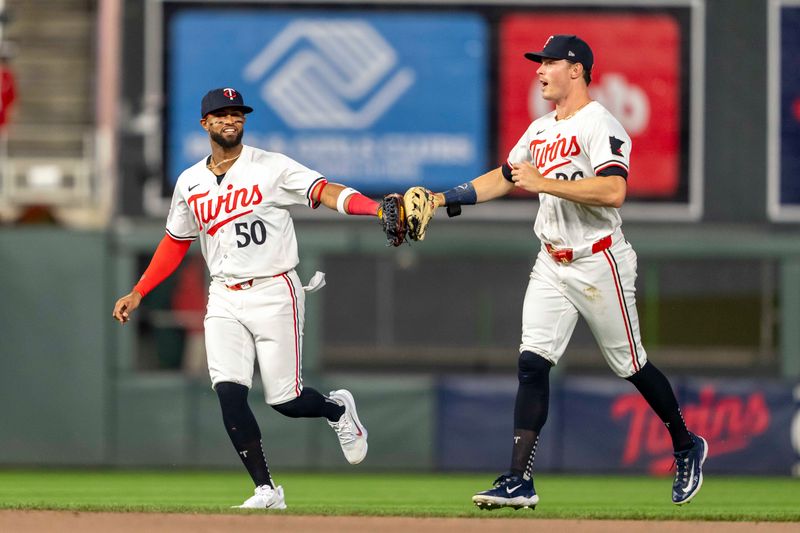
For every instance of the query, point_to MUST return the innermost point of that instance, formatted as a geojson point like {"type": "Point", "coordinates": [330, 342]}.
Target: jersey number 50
{"type": "Point", "coordinates": [255, 233]}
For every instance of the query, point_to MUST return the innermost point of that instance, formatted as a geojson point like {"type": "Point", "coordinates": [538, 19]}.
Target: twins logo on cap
{"type": "Point", "coordinates": [217, 99]}
{"type": "Point", "coordinates": [569, 47]}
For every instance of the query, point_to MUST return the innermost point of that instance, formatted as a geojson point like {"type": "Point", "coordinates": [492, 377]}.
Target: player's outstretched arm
{"type": "Point", "coordinates": [421, 204]}
{"type": "Point", "coordinates": [482, 189]}
{"type": "Point", "coordinates": [346, 200]}
{"type": "Point", "coordinates": [351, 202]}
{"type": "Point", "coordinates": [167, 257]}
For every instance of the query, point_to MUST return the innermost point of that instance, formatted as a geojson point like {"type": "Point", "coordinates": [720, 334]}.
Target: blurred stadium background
{"type": "Point", "coordinates": [99, 114]}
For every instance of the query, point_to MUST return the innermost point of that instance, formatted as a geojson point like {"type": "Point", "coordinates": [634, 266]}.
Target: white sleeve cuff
{"type": "Point", "coordinates": [346, 193]}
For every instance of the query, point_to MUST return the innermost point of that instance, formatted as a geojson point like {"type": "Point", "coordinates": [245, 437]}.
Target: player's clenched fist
{"type": "Point", "coordinates": [526, 176]}
{"type": "Point", "coordinates": [125, 305]}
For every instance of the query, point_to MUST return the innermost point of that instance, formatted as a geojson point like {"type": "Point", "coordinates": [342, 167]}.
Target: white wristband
{"type": "Point", "coordinates": [344, 195]}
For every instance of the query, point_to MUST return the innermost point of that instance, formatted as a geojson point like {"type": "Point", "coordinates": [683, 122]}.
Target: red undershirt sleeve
{"type": "Point", "coordinates": [167, 257]}
{"type": "Point", "coordinates": [359, 204]}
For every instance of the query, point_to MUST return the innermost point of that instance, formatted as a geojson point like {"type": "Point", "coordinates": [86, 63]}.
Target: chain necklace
{"type": "Point", "coordinates": [212, 167]}
{"type": "Point", "coordinates": [573, 113]}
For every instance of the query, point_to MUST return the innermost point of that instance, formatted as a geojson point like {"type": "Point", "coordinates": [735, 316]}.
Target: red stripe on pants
{"type": "Point", "coordinates": [296, 335]}
{"type": "Point", "coordinates": [622, 309]}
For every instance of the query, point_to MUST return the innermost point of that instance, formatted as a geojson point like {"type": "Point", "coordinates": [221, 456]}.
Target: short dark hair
{"type": "Point", "coordinates": [587, 73]}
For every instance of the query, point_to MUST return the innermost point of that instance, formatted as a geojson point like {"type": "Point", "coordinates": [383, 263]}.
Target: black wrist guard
{"type": "Point", "coordinates": [453, 210]}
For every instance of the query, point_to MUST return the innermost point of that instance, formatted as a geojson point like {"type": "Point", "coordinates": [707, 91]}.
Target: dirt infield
{"type": "Point", "coordinates": [63, 521]}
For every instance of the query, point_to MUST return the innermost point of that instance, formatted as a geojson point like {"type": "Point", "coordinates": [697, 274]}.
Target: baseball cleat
{"type": "Point", "coordinates": [352, 434]}
{"type": "Point", "coordinates": [508, 491]}
{"type": "Point", "coordinates": [265, 497]}
{"type": "Point", "coordinates": [689, 471]}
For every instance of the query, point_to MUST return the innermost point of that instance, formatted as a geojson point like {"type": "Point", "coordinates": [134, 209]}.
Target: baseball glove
{"type": "Point", "coordinates": [420, 208]}
{"type": "Point", "coordinates": [393, 220]}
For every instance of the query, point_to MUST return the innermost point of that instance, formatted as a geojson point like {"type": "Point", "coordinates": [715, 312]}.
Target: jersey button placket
{"type": "Point", "coordinates": [225, 245]}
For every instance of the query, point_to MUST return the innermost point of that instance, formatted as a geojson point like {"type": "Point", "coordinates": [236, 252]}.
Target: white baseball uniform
{"type": "Point", "coordinates": [256, 301]}
{"type": "Point", "coordinates": [585, 266]}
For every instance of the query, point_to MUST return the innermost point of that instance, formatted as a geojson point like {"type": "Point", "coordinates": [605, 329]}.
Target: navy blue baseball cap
{"type": "Point", "coordinates": [216, 99]}
{"type": "Point", "coordinates": [569, 47]}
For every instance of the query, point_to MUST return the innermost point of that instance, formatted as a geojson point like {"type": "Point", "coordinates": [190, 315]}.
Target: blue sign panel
{"type": "Point", "coordinates": [738, 418]}
{"type": "Point", "coordinates": [476, 425]}
{"type": "Point", "coordinates": [605, 425]}
{"type": "Point", "coordinates": [377, 101]}
{"type": "Point", "coordinates": [790, 106]}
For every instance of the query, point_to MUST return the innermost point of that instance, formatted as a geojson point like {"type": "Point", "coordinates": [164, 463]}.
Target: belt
{"type": "Point", "coordinates": [250, 283]}
{"type": "Point", "coordinates": [567, 255]}
{"type": "Point", "coordinates": [244, 285]}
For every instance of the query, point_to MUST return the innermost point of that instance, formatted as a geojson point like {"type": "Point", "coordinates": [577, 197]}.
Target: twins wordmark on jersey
{"type": "Point", "coordinates": [207, 208]}
{"type": "Point", "coordinates": [243, 224]}
{"type": "Point", "coordinates": [549, 155]}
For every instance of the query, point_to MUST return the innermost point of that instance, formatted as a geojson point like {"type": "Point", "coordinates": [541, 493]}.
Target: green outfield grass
{"type": "Point", "coordinates": [445, 495]}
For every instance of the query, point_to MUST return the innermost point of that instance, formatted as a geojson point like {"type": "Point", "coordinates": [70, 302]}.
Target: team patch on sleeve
{"type": "Point", "coordinates": [615, 145]}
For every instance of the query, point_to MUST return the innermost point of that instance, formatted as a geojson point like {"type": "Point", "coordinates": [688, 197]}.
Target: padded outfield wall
{"type": "Point", "coordinates": [75, 397]}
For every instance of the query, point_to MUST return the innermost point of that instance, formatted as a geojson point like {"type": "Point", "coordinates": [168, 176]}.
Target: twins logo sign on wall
{"type": "Point", "coordinates": [636, 76]}
{"type": "Point", "coordinates": [375, 100]}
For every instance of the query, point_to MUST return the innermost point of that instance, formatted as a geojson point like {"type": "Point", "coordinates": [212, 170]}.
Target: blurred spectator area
{"type": "Point", "coordinates": [47, 145]}
{"type": "Point", "coordinates": [171, 323]}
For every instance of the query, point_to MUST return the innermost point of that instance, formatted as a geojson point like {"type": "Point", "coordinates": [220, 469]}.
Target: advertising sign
{"type": "Point", "coordinates": [738, 418]}
{"type": "Point", "coordinates": [636, 76]}
{"type": "Point", "coordinates": [784, 119]}
{"type": "Point", "coordinates": [605, 425]}
{"type": "Point", "coordinates": [476, 424]}
{"type": "Point", "coordinates": [379, 101]}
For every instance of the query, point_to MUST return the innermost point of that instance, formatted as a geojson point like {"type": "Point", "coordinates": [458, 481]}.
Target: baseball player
{"type": "Point", "coordinates": [576, 159]}
{"type": "Point", "coordinates": [235, 202]}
